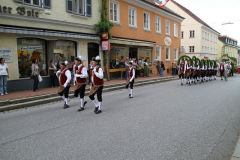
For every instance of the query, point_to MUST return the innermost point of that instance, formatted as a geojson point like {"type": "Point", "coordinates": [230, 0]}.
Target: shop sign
{"type": "Point", "coordinates": [105, 35]}
{"type": "Point", "coordinates": [31, 42]}
{"type": "Point", "coordinates": [6, 54]}
{"type": "Point", "coordinates": [31, 48]}
{"type": "Point", "coordinates": [105, 45]}
{"type": "Point", "coordinates": [19, 10]}
{"type": "Point", "coordinates": [65, 44]}
{"type": "Point", "coordinates": [205, 57]}
{"type": "Point", "coordinates": [168, 41]}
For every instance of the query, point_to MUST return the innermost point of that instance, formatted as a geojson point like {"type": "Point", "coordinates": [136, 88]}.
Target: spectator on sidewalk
{"type": "Point", "coordinates": [159, 67]}
{"type": "Point", "coordinates": [135, 66]}
{"type": "Point", "coordinates": [35, 74]}
{"type": "Point", "coordinates": [174, 68]}
{"type": "Point", "coordinates": [4, 75]}
{"type": "Point", "coordinates": [145, 68]}
{"type": "Point", "coordinates": [52, 72]}
{"type": "Point", "coordinates": [89, 68]}
{"type": "Point", "coordinates": [126, 67]}
{"type": "Point", "coordinates": [162, 68]}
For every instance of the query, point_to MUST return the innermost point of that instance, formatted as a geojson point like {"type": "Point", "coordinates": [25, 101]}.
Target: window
{"type": "Point", "coordinates": [202, 34]}
{"type": "Point", "coordinates": [81, 7]}
{"type": "Point", "coordinates": [175, 29]}
{"type": "Point", "coordinates": [211, 51]}
{"type": "Point", "coordinates": [191, 49]}
{"type": "Point", "coordinates": [146, 17]}
{"type": "Point", "coordinates": [192, 34]}
{"type": "Point", "coordinates": [167, 53]}
{"type": "Point", "coordinates": [158, 25]}
{"type": "Point", "coordinates": [211, 38]}
{"type": "Point", "coordinates": [182, 49]}
{"type": "Point", "coordinates": [202, 49]}
{"type": "Point", "coordinates": [132, 17]}
{"type": "Point", "coordinates": [207, 49]}
{"type": "Point", "coordinates": [40, 3]}
{"type": "Point", "coordinates": [167, 27]}
{"type": "Point", "coordinates": [175, 54]}
{"type": "Point", "coordinates": [206, 35]}
{"type": "Point", "coordinates": [114, 11]}
{"type": "Point", "coordinates": [158, 52]}
{"type": "Point", "coordinates": [182, 34]}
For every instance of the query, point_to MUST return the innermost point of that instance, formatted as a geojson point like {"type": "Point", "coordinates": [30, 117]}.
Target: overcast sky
{"type": "Point", "coordinates": [216, 12]}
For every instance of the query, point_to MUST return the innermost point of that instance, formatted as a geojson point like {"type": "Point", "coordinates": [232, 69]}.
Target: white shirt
{"type": "Point", "coordinates": [83, 74]}
{"type": "Point", "coordinates": [99, 74]}
{"type": "Point", "coordinates": [67, 74]}
{"type": "Point", "coordinates": [3, 69]}
{"type": "Point", "coordinates": [133, 76]}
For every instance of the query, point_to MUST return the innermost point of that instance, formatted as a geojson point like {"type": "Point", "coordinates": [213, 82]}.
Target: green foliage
{"type": "Point", "coordinates": [104, 25]}
{"type": "Point", "coordinates": [141, 70]}
{"type": "Point", "coordinates": [185, 57]}
{"type": "Point", "coordinates": [203, 62]}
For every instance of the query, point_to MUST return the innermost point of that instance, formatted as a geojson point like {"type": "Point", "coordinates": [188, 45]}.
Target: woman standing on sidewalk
{"type": "Point", "coordinates": [35, 74]}
{"type": "Point", "coordinates": [162, 68]}
{"type": "Point", "coordinates": [52, 71]}
{"type": "Point", "coordinates": [4, 75]}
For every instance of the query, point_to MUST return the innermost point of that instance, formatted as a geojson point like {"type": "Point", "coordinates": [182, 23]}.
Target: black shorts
{"type": "Point", "coordinates": [222, 73]}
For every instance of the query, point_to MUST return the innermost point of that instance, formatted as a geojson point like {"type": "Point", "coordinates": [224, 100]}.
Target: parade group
{"type": "Point", "coordinates": [194, 71]}
{"type": "Point", "coordinates": [204, 70]}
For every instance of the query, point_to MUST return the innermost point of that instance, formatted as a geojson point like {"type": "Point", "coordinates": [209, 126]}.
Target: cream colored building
{"type": "Point", "coordinates": [197, 38]}
{"type": "Point", "coordinates": [228, 46]}
{"type": "Point", "coordinates": [46, 30]}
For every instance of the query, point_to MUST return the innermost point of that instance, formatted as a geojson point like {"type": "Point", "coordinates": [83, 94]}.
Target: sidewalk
{"type": "Point", "coordinates": [236, 154]}
{"type": "Point", "coordinates": [30, 93]}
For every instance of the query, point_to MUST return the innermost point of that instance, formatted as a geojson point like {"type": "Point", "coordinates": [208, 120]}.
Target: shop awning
{"type": "Point", "coordinates": [132, 42]}
{"type": "Point", "coordinates": [45, 32]}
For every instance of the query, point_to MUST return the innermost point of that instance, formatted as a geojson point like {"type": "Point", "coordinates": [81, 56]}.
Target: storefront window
{"type": "Point", "coordinates": [118, 56]}
{"type": "Point", "coordinates": [29, 49]}
{"type": "Point", "coordinates": [144, 54]}
{"type": "Point", "coordinates": [64, 51]}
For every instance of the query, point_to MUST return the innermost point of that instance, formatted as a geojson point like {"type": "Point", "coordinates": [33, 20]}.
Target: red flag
{"type": "Point", "coordinates": [164, 2]}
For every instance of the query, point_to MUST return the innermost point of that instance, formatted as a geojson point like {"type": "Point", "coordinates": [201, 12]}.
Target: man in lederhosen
{"type": "Point", "coordinates": [198, 72]}
{"type": "Point", "coordinates": [221, 69]}
{"type": "Point", "coordinates": [130, 79]}
{"type": "Point", "coordinates": [97, 84]}
{"type": "Point", "coordinates": [64, 77]}
{"type": "Point", "coordinates": [194, 73]}
{"type": "Point", "coordinates": [215, 70]}
{"type": "Point", "coordinates": [80, 81]}
{"type": "Point", "coordinates": [189, 72]}
{"type": "Point", "coordinates": [182, 70]}
{"type": "Point", "coordinates": [203, 73]}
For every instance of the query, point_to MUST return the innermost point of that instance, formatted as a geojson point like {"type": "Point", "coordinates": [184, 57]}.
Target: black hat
{"type": "Point", "coordinates": [96, 59]}
{"type": "Point", "coordinates": [130, 62]}
{"type": "Point", "coordinates": [64, 63]}
{"type": "Point", "coordinates": [79, 58]}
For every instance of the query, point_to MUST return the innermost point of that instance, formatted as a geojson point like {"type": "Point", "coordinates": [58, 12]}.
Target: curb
{"type": "Point", "coordinates": [48, 98]}
{"type": "Point", "coordinates": [236, 153]}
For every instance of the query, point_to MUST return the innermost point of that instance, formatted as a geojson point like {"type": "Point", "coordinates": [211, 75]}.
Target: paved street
{"type": "Point", "coordinates": [162, 121]}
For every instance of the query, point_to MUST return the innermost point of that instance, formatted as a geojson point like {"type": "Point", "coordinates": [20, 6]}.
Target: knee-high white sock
{"type": "Point", "coordinates": [63, 97]}
{"type": "Point", "coordinates": [131, 92]}
{"type": "Point", "coordinates": [99, 105]}
{"type": "Point", "coordinates": [95, 102]}
{"type": "Point", "coordinates": [82, 102]}
{"type": "Point", "coordinates": [182, 80]}
{"type": "Point", "coordinates": [79, 97]}
{"type": "Point", "coordinates": [66, 101]}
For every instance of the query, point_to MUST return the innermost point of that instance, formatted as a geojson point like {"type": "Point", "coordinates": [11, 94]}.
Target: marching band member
{"type": "Point", "coordinates": [182, 70]}
{"type": "Point", "coordinates": [64, 77]}
{"type": "Point", "coordinates": [221, 69]}
{"type": "Point", "coordinates": [97, 84]}
{"type": "Point", "coordinates": [203, 72]}
{"type": "Point", "coordinates": [130, 79]}
{"type": "Point", "coordinates": [188, 69]}
{"type": "Point", "coordinates": [80, 81]}
{"type": "Point", "coordinates": [215, 70]}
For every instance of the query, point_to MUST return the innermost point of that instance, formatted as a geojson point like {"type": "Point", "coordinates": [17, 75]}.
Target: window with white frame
{"type": "Point", "coordinates": [132, 17]}
{"type": "Point", "coordinates": [207, 49]}
{"type": "Point", "coordinates": [202, 49]}
{"type": "Point", "coordinates": [158, 52]}
{"type": "Point", "coordinates": [182, 34]}
{"type": "Point", "coordinates": [175, 29]}
{"type": "Point", "coordinates": [202, 34]}
{"type": "Point", "coordinates": [40, 3]}
{"type": "Point", "coordinates": [81, 7]}
{"type": "Point", "coordinates": [182, 49]}
{"type": "Point", "coordinates": [114, 11]}
{"type": "Point", "coordinates": [208, 36]}
{"type": "Point", "coordinates": [158, 25]}
{"type": "Point", "coordinates": [146, 18]}
{"type": "Point", "coordinates": [167, 27]}
{"type": "Point", "coordinates": [175, 54]}
{"type": "Point", "coordinates": [191, 49]}
{"type": "Point", "coordinates": [167, 53]}
{"type": "Point", "coordinates": [192, 34]}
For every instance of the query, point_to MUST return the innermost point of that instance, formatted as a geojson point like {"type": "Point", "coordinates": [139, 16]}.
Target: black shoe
{"type": "Point", "coordinates": [221, 79]}
{"type": "Point", "coordinates": [66, 106]}
{"type": "Point", "coordinates": [181, 83]}
{"type": "Point", "coordinates": [84, 103]}
{"type": "Point", "coordinates": [98, 111]}
{"type": "Point", "coordinates": [129, 95]}
{"type": "Point", "coordinates": [189, 84]}
{"type": "Point", "coordinates": [81, 109]}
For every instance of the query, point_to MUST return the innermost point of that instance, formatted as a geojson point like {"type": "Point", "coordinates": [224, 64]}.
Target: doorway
{"type": "Point", "coordinates": [133, 53]}
{"type": "Point", "coordinates": [93, 51]}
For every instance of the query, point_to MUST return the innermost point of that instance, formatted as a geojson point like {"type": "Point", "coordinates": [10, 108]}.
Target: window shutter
{"type": "Point", "coordinates": [89, 8]}
{"type": "Point", "coordinates": [69, 5]}
{"type": "Point", "coordinates": [21, 1]}
{"type": "Point", "coordinates": [47, 3]}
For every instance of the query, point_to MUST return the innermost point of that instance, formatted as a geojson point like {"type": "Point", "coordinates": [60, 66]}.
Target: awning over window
{"type": "Point", "coordinates": [132, 42]}
{"type": "Point", "coordinates": [43, 32]}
